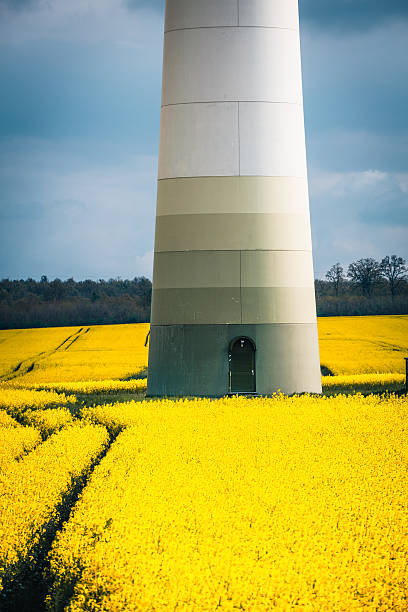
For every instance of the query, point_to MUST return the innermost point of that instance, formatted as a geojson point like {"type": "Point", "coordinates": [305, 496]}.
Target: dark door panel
{"type": "Point", "coordinates": [242, 366]}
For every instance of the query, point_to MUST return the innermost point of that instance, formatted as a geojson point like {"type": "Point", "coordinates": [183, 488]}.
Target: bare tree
{"type": "Point", "coordinates": [336, 276]}
{"type": "Point", "coordinates": [365, 273]}
{"type": "Point", "coordinates": [394, 269]}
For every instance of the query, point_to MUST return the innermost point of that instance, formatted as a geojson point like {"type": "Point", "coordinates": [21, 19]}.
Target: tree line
{"type": "Point", "coordinates": [366, 287]}
{"type": "Point", "coordinates": [45, 303]}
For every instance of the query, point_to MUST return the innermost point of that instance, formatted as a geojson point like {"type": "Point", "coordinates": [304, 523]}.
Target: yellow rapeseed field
{"type": "Point", "coordinates": [348, 345]}
{"type": "Point", "coordinates": [16, 401]}
{"type": "Point", "coordinates": [111, 385]}
{"type": "Point", "coordinates": [15, 441]}
{"type": "Point", "coordinates": [231, 504]}
{"type": "Point", "coordinates": [243, 504]}
{"type": "Point", "coordinates": [19, 348]}
{"type": "Point", "coordinates": [363, 382]}
{"type": "Point", "coordinates": [6, 420]}
{"type": "Point", "coordinates": [362, 345]}
{"type": "Point", "coordinates": [99, 352]}
{"type": "Point", "coordinates": [48, 421]}
{"type": "Point", "coordinates": [31, 490]}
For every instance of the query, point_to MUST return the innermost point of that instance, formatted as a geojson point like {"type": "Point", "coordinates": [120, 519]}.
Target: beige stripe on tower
{"type": "Point", "coordinates": [233, 232]}
{"type": "Point", "coordinates": [232, 194]}
{"type": "Point", "coordinates": [198, 269]}
{"type": "Point", "coordinates": [233, 305]}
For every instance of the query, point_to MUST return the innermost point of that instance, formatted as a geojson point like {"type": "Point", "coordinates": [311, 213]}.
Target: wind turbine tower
{"type": "Point", "coordinates": [233, 308]}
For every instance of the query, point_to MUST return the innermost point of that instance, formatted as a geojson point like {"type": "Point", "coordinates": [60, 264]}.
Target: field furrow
{"type": "Point", "coordinates": [47, 421]}
{"type": "Point", "coordinates": [28, 364]}
{"type": "Point", "coordinates": [33, 494]}
{"type": "Point", "coordinates": [17, 401]}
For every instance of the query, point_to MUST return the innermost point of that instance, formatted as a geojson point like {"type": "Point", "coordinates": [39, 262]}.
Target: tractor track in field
{"type": "Point", "coordinates": [27, 365]}
{"type": "Point", "coordinates": [27, 591]}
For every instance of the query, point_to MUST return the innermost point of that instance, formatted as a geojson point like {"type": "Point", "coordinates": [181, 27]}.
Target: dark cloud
{"type": "Point", "coordinates": [17, 5]}
{"type": "Point", "coordinates": [356, 95]}
{"type": "Point", "coordinates": [349, 15]}
{"type": "Point", "coordinates": [341, 15]}
{"type": "Point", "coordinates": [67, 91]}
{"type": "Point", "coordinates": [27, 211]}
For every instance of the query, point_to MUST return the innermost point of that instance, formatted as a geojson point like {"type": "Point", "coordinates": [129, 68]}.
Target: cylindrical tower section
{"type": "Point", "coordinates": [233, 306]}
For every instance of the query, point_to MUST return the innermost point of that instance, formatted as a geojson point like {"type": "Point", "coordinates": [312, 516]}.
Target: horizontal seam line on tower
{"type": "Point", "coordinates": [212, 176]}
{"type": "Point", "coordinates": [303, 214]}
{"type": "Point", "coordinates": [232, 212]}
{"type": "Point", "coordinates": [222, 324]}
{"type": "Point", "coordinates": [236, 27]}
{"type": "Point", "coordinates": [222, 176]}
{"type": "Point", "coordinates": [230, 102]}
{"type": "Point", "coordinates": [237, 250]}
{"type": "Point", "coordinates": [235, 288]}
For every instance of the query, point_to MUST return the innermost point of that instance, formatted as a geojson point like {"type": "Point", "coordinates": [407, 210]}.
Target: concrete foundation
{"type": "Point", "coordinates": [192, 360]}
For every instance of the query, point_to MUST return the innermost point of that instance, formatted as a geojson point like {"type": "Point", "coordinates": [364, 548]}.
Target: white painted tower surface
{"type": "Point", "coordinates": [233, 306]}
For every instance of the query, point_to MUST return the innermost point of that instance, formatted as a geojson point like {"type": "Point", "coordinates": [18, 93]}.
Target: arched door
{"type": "Point", "coordinates": [242, 366]}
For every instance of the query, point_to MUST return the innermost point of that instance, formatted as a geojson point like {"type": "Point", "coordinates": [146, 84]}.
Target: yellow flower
{"type": "Point", "coordinates": [242, 504]}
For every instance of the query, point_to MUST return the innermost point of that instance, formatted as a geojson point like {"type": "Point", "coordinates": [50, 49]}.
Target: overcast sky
{"type": "Point", "coordinates": [79, 131]}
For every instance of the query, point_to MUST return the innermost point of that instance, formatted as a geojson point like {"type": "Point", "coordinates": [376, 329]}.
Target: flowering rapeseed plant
{"type": "Point", "coordinates": [16, 401]}
{"type": "Point", "coordinates": [90, 386]}
{"type": "Point", "coordinates": [242, 504]}
{"type": "Point", "coordinates": [363, 345]}
{"type": "Point", "coordinates": [103, 352]}
{"type": "Point", "coordinates": [6, 420]}
{"type": "Point", "coordinates": [15, 441]}
{"type": "Point", "coordinates": [19, 345]}
{"type": "Point", "coordinates": [363, 382]}
{"type": "Point", "coordinates": [48, 421]}
{"type": "Point", "coordinates": [32, 490]}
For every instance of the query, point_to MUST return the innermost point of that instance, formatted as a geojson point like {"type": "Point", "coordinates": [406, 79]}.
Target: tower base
{"type": "Point", "coordinates": [194, 360]}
